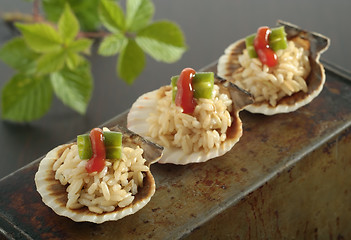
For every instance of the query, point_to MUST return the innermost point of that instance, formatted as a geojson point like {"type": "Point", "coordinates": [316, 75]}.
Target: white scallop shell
{"type": "Point", "coordinates": [145, 104]}
{"type": "Point", "coordinates": [227, 64]}
{"type": "Point", "coordinates": [54, 194]}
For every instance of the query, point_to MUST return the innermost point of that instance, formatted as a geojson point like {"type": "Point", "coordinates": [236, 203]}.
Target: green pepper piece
{"type": "Point", "coordinates": [84, 146]}
{"type": "Point", "coordinates": [113, 144]}
{"type": "Point", "coordinates": [202, 84]}
{"type": "Point", "coordinates": [249, 42]}
{"type": "Point", "coordinates": [277, 39]}
{"type": "Point", "coordinates": [174, 81]}
{"type": "Point", "coordinates": [203, 90]}
{"type": "Point", "coordinates": [113, 153]}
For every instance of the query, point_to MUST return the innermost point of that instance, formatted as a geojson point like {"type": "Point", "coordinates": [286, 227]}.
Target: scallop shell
{"type": "Point", "coordinates": [145, 104]}
{"type": "Point", "coordinates": [54, 194]}
{"type": "Point", "coordinates": [314, 42]}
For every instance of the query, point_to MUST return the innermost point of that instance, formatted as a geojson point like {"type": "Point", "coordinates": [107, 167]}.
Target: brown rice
{"type": "Point", "coordinates": [204, 130]}
{"type": "Point", "coordinates": [115, 186]}
{"type": "Point", "coordinates": [272, 84]}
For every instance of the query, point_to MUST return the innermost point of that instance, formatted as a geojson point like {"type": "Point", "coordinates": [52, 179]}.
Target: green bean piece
{"type": "Point", "coordinates": [203, 85]}
{"type": "Point", "coordinates": [174, 81]}
{"type": "Point", "coordinates": [249, 41]}
{"type": "Point", "coordinates": [113, 144]}
{"type": "Point", "coordinates": [277, 39]}
{"type": "Point", "coordinates": [113, 152]}
{"type": "Point", "coordinates": [84, 146]}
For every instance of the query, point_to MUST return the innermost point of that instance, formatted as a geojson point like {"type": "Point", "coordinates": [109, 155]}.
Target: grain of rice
{"type": "Point", "coordinates": [95, 209]}
{"type": "Point", "coordinates": [85, 202]}
{"type": "Point", "coordinates": [105, 190]}
{"type": "Point", "coordinates": [126, 201]}
{"type": "Point", "coordinates": [107, 208]}
{"type": "Point", "coordinates": [86, 195]}
{"type": "Point", "coordinates": [60, 160]}
{"type": "Point", "coordinates": [124, 179]}
{"type": "Point", "coordinates": [76, 205]}
{"type": "Point", "coordinates": [116, 187]}
{"type": "Point", "coordinates": [72, 199]}
{"type": "Point", "coordinates": [112, 182]}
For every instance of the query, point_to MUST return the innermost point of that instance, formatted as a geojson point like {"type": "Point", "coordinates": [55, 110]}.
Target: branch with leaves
{"type": "Point", "coordinates": [49, 55]}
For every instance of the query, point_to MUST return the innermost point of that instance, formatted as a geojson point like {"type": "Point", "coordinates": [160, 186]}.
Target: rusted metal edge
{"type": "Point", "coordinates": [11, 231]}
{"type": "Point", "coordinates": [337, 70]}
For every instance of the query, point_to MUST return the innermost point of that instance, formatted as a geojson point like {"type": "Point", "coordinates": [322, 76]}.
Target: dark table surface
{"type": "Point", "coordinates": [209, 27]}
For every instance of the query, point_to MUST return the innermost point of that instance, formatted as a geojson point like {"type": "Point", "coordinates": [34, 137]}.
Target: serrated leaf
{"type": "Point", "coordinates": [18, 55]}
{"type": "Point", "coordinates": [111, 16]}
{"type": "Point", "coordinates": [85, 11]}
{"type": "Point", "coordinates": [73, 60]}
{"type": "Point", "coordinates": [68, 25]}
{"type": "Point", "coordinates": [26, 98]}
{"type": "Point", "coordinates": [41, 37]}
{"type": "Point", "coordinates": [139, 14]}
{"type": "Point", "coordinates": [80, 45]}
{"type": "Point", "coordinates": [131, 62]}
{"type": "Point", "coordinates": [162, 40]}
{"type": "Point", "coordinates": [111, 45]}
{"type": "Point", "coordinates": [53, 9]}
{"type": "Point", "coordinates": [74, 88]}
{"type": "Point", "coordinates": [51, 62]}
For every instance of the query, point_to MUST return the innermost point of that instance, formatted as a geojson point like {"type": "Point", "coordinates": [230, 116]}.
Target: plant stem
{"type": "Point", "coordinates": [98, 34]}
{"type": "Point", "coordinates": [17, 17]}
{"type": "Point", "coordinates": [36, 11]}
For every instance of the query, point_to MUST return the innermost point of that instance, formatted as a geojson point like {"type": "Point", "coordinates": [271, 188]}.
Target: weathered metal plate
{"type": "Point", "coordinates": [310, 200]}
{"type": "Point", "coordinates": [275, 155]}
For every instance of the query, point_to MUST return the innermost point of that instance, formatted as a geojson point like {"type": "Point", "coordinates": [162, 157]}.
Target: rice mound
{"type": "Point", "coordinates": [272, 84]}
{"type": "Point", "coordinates": [204, 130]}
{"type": "Point", "coordinates": [113, 187]}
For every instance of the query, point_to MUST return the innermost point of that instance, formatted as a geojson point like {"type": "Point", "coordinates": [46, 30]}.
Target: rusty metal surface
{"type": "Point", "coordinates": [189, 196]}
{"type": "Point", "coordinates": [310, 200]}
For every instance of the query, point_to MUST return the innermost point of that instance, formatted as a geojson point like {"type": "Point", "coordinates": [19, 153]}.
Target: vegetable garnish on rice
{"type": "Point", "coordinates": [209, 129]}
{"type": "Point", "coordinates": [97, 179]}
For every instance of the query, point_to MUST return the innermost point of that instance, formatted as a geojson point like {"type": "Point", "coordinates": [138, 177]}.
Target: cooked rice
{"type": "Point", "coordinates": [272, 84]}
{"type": "Point", "coordinates": [204, 130]}
{"type": "Point", "coordinates": [115, 186]}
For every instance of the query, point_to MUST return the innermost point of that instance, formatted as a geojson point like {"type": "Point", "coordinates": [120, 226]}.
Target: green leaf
{"type": "Point", "coordinates": [131, 62]}
{"type": "Point", "coordinates": [139, 14]}
{"type": "Point", "coordinates": [74, 88]}
{"type": "Point", "coordinates": [80, 45]}
{"type": "Point", "coordinates": [85, 11]}
{"type": "Point", "coordinates": [41, 37]}
{"type": "Point", "coordinates": [26, 98]}
{"type": "Point", "coordinates": [73, 60]}
{"type": "Point", "coordinates": [111, 45]}
{"type": "Point", "coordinates": [16, 54]}
{"type": "Point", "coordinates": [111, 16]}
{"type": "Point", "coordinates": [162, 40]}
{"type": "Point", "coordinates": [68, 25]}
{"type": "Point", "coordinates": [51, 62]}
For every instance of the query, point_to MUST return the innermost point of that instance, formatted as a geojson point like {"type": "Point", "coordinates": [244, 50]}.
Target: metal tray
{"type": "Point", "coordinates": [258, 189]}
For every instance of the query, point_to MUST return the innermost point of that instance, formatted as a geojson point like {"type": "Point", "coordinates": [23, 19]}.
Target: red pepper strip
{"type": "Point", "coordinates": [185, 96]}
{"type": "Point", "coordinates": [261, 43]}
{"type": "Point", "coordinates": [97, 162]}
